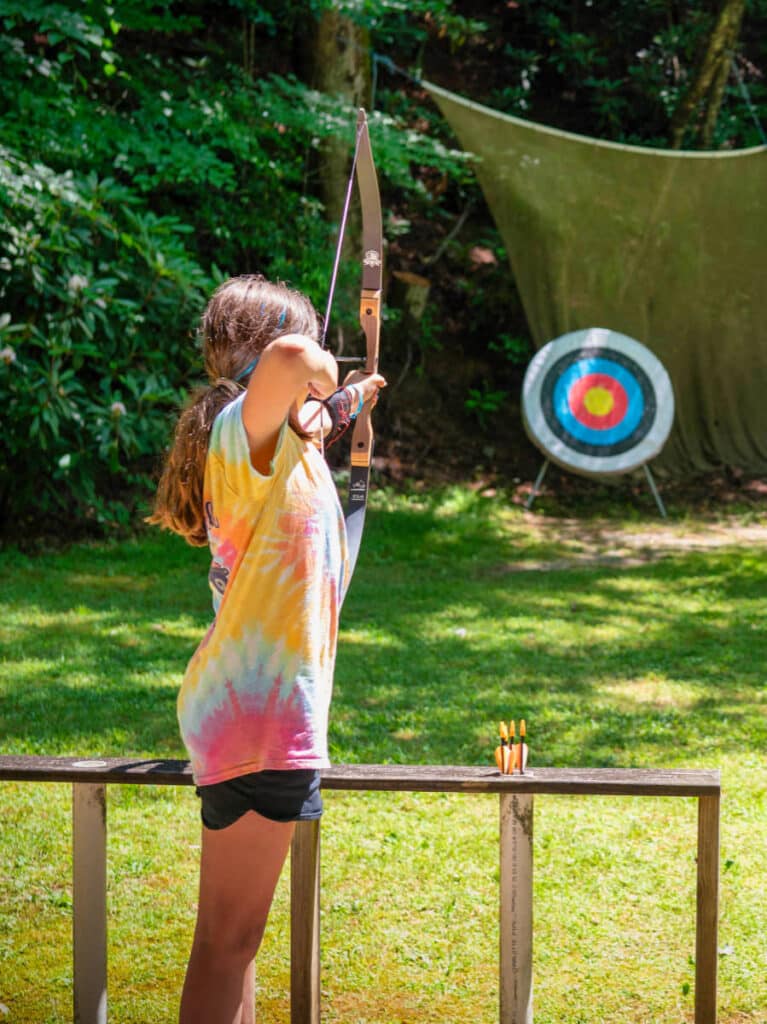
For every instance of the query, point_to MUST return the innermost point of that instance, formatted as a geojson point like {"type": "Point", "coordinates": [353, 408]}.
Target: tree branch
{"type": "Point", "coordinates": [711, 76]}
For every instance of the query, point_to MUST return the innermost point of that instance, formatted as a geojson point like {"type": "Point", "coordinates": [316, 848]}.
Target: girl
{"type": "Point", "coordinates": [245, 478]}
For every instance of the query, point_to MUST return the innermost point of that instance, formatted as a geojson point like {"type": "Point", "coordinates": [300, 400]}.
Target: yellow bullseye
{"type": "Point", "coordinates": [598, 401]}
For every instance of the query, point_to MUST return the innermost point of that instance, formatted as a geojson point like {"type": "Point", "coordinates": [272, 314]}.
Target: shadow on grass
{"type": "Point", "coordinates": [660, 664]}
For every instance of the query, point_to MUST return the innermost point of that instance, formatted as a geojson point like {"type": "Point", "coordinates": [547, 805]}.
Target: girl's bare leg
{"type": "Point", "coordinates": [248, 1010]}
{"type": "Point", "coordinates": [239, 869]}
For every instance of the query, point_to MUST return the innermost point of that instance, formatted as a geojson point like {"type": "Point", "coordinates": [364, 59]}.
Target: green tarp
{"type": "Point", "coordinates": [668, 247]}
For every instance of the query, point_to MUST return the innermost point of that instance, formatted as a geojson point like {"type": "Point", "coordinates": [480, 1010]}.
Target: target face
{"type": "Point", "coordinates": [597, 401]}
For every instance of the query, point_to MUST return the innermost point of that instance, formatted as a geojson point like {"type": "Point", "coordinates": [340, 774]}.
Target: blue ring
{"type": "Point", "coordinates": [635, 401]}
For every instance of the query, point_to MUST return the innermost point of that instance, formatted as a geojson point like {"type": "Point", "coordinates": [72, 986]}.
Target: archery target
{"type": "Point", "coordinates": [597, 401]}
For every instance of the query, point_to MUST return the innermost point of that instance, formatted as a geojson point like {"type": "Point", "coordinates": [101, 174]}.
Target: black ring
{"type": "Point", "coordinates": [583, 447]}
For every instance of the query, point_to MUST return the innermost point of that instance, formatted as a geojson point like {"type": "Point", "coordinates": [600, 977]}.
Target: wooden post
{"type": "Point", "coordinates": [89, 902]}
{"type": "Point", "coordinates": [305, 924]}
{"type": "Point", "coordinates": [516, 912]}
{"type": "Point", "coordinates": [706, 951]}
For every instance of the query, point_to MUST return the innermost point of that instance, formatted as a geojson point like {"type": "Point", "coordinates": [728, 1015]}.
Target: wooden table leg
{"type": "Point", "coordinates": [516, 911]}
{"type": "Point", "coordinates": [305, 924]}
{"type": "Point", "coordinates": [89, 902]}
{"type": "Point", "coordinates": [706, 940]}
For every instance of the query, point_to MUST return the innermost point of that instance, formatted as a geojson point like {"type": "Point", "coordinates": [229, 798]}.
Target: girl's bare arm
{"type": "Point", "coordinates": [289, 368]}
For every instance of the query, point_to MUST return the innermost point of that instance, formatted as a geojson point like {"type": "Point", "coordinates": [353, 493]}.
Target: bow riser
{"type": "Point", "coordinates": [370, 321]}
{"type": "Point", "coordinates": [370, 295]}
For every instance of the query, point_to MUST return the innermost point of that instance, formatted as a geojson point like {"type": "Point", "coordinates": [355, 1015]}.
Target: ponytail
{"type": "Point", "coordinates": [244, 314]}
{"type": "Point", "coordinates": [179, 501]}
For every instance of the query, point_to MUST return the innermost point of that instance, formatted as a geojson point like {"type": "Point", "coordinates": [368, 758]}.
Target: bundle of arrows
{"type": "Point", "coordinates": [511, 756]}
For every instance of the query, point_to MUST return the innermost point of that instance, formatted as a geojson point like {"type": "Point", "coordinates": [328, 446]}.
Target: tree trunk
{"type": "Point", "coordinates": [248, 46]}
{"type": "Point", "coordinates": [342, 68]}
{"type": "Point", "coordinates": [714, 102]}
{"type": "Point", "coordinates": [711, 78]}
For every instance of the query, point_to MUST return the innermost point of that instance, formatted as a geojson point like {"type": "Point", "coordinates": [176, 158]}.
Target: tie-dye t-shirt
{"type": "Point", "coordinates": [256, 693]}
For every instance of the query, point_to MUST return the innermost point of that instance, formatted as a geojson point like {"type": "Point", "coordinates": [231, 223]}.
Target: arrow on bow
{"type": "Point", "coordinates": [370, 321]}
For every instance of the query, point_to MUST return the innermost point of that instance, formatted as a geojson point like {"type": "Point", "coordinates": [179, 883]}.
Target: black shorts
{"type": "Point", "coordinates": [279, 795]}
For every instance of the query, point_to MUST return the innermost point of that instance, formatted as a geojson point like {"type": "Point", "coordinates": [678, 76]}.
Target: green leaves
{"type": "Point", "coordinates": [485, 402]}
{"type": "Point", "coordinates": [89, 285]}
{"type": "Point", "coordinates": [135, 160]}
{"type": "Point", "coordinates": [618, 71]}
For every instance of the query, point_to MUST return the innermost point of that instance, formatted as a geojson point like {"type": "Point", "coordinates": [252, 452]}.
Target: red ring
{"type": "Point", "coordinates": [577, 401]}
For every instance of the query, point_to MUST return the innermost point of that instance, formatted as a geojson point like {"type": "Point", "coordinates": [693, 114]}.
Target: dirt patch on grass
{"type": "Point", "coordinates": [605, 544]}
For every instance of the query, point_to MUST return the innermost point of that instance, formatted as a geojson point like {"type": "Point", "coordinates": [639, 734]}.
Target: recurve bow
{"type": "Point", "coordinates": [370, 320]}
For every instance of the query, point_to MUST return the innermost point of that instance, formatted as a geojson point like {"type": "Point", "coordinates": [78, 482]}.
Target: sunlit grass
{"type": "Point", "coordinates": [661, 664]}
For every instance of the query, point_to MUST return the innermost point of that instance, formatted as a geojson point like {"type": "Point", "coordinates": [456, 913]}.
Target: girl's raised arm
{"type": "Point", "coordinates": [289, 368]}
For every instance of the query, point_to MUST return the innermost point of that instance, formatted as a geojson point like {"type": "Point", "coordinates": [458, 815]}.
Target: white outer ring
{"type": "Point", "coordinates": [558, 450]}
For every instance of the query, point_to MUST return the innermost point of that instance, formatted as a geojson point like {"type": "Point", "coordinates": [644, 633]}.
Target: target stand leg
{"type": "Point", "coordinates": [537, 485]}
{"type": "Point", "coordinates": [654, 489]}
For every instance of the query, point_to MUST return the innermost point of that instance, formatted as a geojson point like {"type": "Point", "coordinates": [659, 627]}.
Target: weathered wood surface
{"type": "Point", "coordinates": [391, 777]}
{"type": "Point", "coordinates": [516, 910]}
{"type": "Point", "coordinates": [89, 903]}
{"type": "Point", "coordinates": [305, 924]}
{"type": "Point", "coordinates": [96, 769]}
{"type": "Point", "coordinates": [402, 778]}
{"type": "Point", "coordinates": [706, 930]}
{"type": "Point", "coordinates": [443, 778]}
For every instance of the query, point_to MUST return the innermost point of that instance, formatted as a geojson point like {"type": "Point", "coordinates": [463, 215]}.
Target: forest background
{"type": "Point", "coordinates": [148, 151]}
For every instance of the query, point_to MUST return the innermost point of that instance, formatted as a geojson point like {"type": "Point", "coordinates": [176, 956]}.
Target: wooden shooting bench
{"type": "Point", "coordinates": [89, 779]}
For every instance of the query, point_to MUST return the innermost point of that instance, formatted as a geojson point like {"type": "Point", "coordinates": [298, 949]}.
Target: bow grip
{"type": "Point", "coordinates": [370, 321]}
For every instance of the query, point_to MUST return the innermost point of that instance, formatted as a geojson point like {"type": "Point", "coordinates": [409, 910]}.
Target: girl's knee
{"type": "Point", "coordinates": [228, 944]}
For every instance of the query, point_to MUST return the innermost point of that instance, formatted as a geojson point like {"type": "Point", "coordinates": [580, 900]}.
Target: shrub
{"type": "Point", "coordinates": [98, 296]}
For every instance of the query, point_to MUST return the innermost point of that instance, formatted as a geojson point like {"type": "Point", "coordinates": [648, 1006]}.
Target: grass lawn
{"type": "Point", "coordinates": [452, 623]}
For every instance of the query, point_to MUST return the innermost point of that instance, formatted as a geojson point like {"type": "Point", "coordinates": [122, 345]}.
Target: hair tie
{"type": "Point", "coordinates": [282, 316]}
{"type": "Point", "coordinates": [248, 369]}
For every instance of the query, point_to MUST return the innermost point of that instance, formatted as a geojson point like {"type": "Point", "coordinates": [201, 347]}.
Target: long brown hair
{"type": "Point", "coordinates": [244, 314]}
